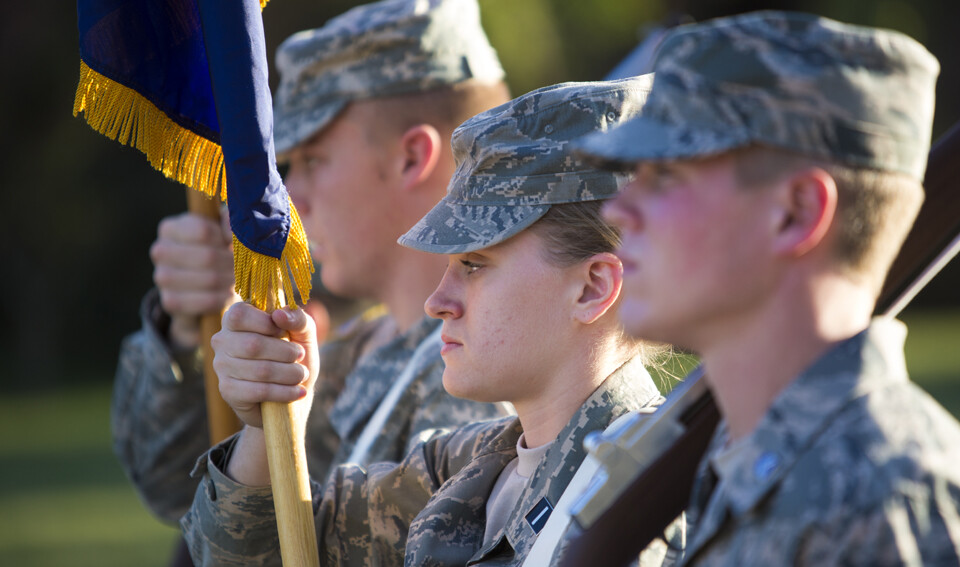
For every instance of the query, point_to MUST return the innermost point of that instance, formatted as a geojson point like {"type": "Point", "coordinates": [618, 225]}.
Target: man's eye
{"type": "Point", "coordinates": [662, 172]}
{"type": "Point", "coordinates": [658, 178]}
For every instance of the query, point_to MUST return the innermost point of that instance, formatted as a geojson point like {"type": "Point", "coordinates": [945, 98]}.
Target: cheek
{"type": "Point", "coordinates": [495, 326]}
{"type": "Point", "coordinates": [682, 240]}
{"type": "Point", "coordinates": [533, 316]}
{"type": "Point", "coordinates": [500, 323]}
{"type": "Point", "coordinates": [669, 255]}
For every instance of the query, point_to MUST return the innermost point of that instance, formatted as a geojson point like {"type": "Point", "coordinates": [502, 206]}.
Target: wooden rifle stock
{"type": "Point", "coordinates": [933, 240]}
{"type": "Point", "coordinates": [640, 511]}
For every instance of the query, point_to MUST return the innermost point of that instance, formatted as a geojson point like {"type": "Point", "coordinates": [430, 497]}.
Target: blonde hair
{"type": "Point", "coordinates": [574, 232]}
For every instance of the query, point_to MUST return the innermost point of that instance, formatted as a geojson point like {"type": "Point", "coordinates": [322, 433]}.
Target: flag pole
{"type": "Point", "coordinates": [221, 419]}
{"type": "Point", "coordinates": [283, 430]}
{"type": "Point", "coordinates": [158, 92]}
{"type": "Point", "coordinates": [271, 258]}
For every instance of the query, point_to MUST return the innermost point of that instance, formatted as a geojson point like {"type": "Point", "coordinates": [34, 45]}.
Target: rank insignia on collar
{"type": "Point", "coordinates": [537, 517]}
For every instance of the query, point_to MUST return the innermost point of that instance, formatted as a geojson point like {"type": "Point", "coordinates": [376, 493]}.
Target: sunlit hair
{"type": "Point", "coordinates": [875, 209]}
{"type": "Point", "coordinates": [573, 233]}
{"type": "Point", "coordinates": [445, 108]}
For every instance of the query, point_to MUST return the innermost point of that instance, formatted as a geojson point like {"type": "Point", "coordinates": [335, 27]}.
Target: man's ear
{"type": "Point", "coordinates": [420, 148]}
{"type": "Point", "coordinates": [601, 280]}
{"type": "Point", "coordinates": [808, 204]}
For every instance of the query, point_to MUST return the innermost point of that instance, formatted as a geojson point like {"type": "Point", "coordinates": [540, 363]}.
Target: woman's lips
{"type": "Point", "coordinates": [449, 344]}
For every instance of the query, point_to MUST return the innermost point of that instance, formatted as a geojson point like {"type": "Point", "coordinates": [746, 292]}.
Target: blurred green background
{"type": "Point", "coordinates": [82, 211]}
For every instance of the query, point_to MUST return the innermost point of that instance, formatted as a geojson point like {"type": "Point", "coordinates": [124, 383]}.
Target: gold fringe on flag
{"type": "Point", "coordinates": [260, 279]}
{"type": "Point", "coordinates": [122, 114]}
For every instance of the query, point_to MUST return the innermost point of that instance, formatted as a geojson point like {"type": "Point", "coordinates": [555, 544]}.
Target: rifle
{"type": "Point", "coordinates": [650, 465]}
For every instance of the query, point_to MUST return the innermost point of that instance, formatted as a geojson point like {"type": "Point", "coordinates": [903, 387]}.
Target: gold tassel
{"type": "Point", "coordinates": [122, 114]}
{"type": "Point", "coordinates": [260, 278]}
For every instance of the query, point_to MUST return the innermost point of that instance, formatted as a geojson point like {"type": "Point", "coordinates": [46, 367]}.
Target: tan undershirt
{"type": "Point", "coordinates": [509, 486]}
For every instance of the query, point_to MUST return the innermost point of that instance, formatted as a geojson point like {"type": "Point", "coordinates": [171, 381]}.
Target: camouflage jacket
{"type": "Point", "coordinates": [159, 415]}
{"type": "Point", "coordinates": [437, 495]}
{"type": "Point", "coordinates": [852, 465]}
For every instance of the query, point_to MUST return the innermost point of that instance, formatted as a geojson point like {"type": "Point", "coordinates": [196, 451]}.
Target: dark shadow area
{"type": "Point", "coordinates": [82, 210]}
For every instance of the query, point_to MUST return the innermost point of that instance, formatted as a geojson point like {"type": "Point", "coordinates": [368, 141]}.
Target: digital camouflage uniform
{"type": "Point", "coordinates": [437, 494]}
{"type": "Point", "coordinates": [159, 415]}
{"type": "Point", "coordinates": [852, 464]}
{"type": "Point", "coordinates": [430, 509]}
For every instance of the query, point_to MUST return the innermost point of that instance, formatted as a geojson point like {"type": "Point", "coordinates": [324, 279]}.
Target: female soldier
{"type": "Point", "coordinates": [528, 302]}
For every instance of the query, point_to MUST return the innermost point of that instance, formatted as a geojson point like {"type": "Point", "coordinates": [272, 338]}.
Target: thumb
{"type": "Point", "coordinates": [299, 327]}
{"type": "Point", "coordinates": [301, 330]}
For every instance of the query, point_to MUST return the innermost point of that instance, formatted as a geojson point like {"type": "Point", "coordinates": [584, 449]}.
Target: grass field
{"type": "Point", "coordinates": [65, 502]}
{"type": "Point", "coordinates": [63, 498]}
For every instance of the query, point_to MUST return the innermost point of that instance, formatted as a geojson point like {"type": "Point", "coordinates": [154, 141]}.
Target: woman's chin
{"type": "Point", "coordinates": [463, 387]}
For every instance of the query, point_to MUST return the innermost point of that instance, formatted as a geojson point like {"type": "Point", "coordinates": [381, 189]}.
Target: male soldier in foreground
{"type": "Point", "coordinates": [778, 167]}
{"type": "Point", "coordinates": [364, 114]}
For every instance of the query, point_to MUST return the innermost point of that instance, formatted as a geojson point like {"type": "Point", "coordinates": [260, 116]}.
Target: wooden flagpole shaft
{"type": "Point", "coordinates": [291, 485]}
{"type": "Point", "coordinates": [283, 429]}
{"type": "Point", "coordinates": [222, 420]}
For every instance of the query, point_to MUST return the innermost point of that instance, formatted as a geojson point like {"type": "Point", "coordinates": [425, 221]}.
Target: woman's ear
{"type": "Point", "coordinates": [420, 148]}
{"type": "Point", "coordinates": [808, 204]}
{"type": "Point", "coordinates": [601, 281]}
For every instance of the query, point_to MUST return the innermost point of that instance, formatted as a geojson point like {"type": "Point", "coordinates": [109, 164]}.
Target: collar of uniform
{"type": "Point", "coordinates": [367, 384]}
{"type": "Point", "coordinates": [848, 371]}
{"type": "Point", "coordinates": [628, 388]}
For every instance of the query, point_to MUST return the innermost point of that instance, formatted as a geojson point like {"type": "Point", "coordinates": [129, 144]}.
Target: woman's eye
{"type": "Point", "coordinates": [470, 267]}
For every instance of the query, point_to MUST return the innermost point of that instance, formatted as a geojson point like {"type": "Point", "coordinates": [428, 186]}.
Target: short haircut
{"type": "Point", "coordinates": [875, 209]}
{"type": "Point", "coordinates": [444, 107]}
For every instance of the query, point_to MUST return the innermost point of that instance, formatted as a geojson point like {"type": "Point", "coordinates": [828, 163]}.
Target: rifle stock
{"type": "Point", "coordinates": [649, 466]}
{"type": "Point", "coordinates": [932, 241]}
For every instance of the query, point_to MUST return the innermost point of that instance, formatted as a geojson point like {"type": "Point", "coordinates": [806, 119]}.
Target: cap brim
{"type": "Point", "coordinates": [644, 138]}
{"type": "Point", "coordinates": [451, 228]}
{"type": "Point", "coordinates": [292, 128]}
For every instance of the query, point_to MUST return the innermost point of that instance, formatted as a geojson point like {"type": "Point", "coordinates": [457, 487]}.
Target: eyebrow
{"type": "Point", "coordinates": [468, 256]}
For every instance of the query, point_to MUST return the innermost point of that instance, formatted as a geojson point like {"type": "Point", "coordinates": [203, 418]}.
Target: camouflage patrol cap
{"type": "Point", "coordinates": [514, 162]}
{"type": "Point", "coordinates": [382, 49]}
{"type": "Point", "coordinates": [854, 95]}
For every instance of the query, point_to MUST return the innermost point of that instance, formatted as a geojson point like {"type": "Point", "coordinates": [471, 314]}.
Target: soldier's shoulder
{"type": "Point", "coordinates": [895, 437]}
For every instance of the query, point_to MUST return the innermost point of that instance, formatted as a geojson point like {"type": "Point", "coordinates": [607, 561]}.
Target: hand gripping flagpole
{"type": "Point", "coordinates": [263, 222]}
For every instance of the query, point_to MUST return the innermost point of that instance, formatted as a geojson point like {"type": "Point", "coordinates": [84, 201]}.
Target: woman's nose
{"type": "Point", "coordinates": [442, 304]}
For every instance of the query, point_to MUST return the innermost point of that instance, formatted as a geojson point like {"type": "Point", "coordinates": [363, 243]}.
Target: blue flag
{"type": "Point", "coordinates": [185, 82]}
